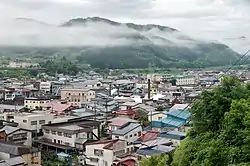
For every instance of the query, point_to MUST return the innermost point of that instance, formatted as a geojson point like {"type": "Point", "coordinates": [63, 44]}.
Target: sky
{"type": "Point", "coordinates": [225, 21]}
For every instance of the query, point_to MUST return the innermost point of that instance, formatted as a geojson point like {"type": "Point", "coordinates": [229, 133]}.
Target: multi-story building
{"type": "Point", "coordinates": [43, 86]}
{"type": "Point", "coordinates": [105, 152]}
{"type": "Point", "coordinates": [185, 80]}
{"type": "Point", "coordinates": [35, 102]}
{"type": "Point", "coordinates": [32, 121]}
{"type": "Point", "coordinates": [16, 135]}
{"type": "Point", "coordinates": [69, 135]}
{"type": "Point", "coordinates": [76, 97]}
{"type": "Point", "coordinates": [125, 129]}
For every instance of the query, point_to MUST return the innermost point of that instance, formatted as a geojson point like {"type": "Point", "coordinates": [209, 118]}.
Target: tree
{"type": "Point", "coordinates": [221, 128]}
{"type": "Point", "coordinates": [161, 160]}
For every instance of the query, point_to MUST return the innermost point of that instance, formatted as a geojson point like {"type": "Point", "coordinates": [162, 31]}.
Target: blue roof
{"type": "Point", "coordinates": [173, 122]}
{"type": "Point", "coordinates": [182, 114]}
{"type": "Point", "coordinates": [149, 152]}
{"type": "Point", "coordinates": [173, 135]}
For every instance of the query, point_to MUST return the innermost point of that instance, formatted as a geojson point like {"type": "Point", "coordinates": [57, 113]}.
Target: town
{"type": "Point", "coordinates": [97, 120]}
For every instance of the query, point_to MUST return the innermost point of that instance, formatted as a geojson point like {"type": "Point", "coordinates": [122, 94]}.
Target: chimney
{"type": "Point", "coordinates": [110, 89]}
{"type": "Point", "coordinates": [149, 87]}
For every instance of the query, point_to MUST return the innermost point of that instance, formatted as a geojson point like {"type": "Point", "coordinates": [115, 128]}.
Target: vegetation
{"type": "Point", "coordinates": [161, 160]}
{"type": "Point", "coordinates": [221, 128]}
{"type": "Point", "coordinates": [62, 66]}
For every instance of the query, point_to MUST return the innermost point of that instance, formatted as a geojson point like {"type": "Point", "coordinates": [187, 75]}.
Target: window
{"type": "Point", "coordinates": [159, 118]}
{"type": "Point", "coordinates": [46, 131]}
{"type": "Point", "coordinates": [67, 135]}
{"type": "Point", "coordinates": [24, 121]}
{"type": "Point", "coordinates": [98, 152]}
{"type": "Point", "coordinates": [139, 133]}
{"type": "Point", "coordinates": [116, 136]}
{"type": "Point", "coordinates": [83, 94]}
{"type": "Point", "coordinates": [53, 132]}
{"type": "Point", "coordinates": [35, 154]}
{"type": "Point", "coordinates": [95, 160]}
{"type": "Point", "coordinates": [41, 121]}
{"type": "Point", "coordinates": [26, 101]}
{"type": "Point", "coordinates": [33, 123]}
{"type": "Point", "coordinates": [58, 141]}
{"type": "Point", "coordinates": [59, 133]}
{"type": "Point", "coordinates": [135, 134]}
{"type": "Point", "coordinates": [66, 143]}
{"type": "Point", "coordinates": [130, 135]}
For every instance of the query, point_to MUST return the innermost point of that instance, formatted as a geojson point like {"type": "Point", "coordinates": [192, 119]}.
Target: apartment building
{"type": "Point", "coordinates": [35, 102]}
{"type": "Point", "coordinates": [43, 86]}
{"type": "Point", "coordinates": [69, 135]}
{"type": "Point", "coordinates": [185, 80]}
{"type": "Point", "coordinates": [105, 152]}
{"type": "Point", "coordinates": [76, 97]}
{"type": "Point", "coordinates": [32, 121]}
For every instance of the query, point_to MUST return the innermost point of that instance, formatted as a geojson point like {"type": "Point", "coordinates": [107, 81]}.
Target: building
{"type": "Point", "coordinates": [76, 97]}
{"type": "Point", "coordinates": [16, 135]}
{"type": "Point", "coordinates": [43, 86]}
{"type": "Point", "coordinates": [185, 80]}
{"type": "Point", "coordinates": [35, 102]}
{"type": "Point", "coordinates": [32, 121]}
{"type": "Point", "coordinates": [125, 129]}
{"type": "Point", "coordinates": [29, 154]}
{"type": "Point", "coordinates": [56, 88]}
{"type": "Point", "coordinates": [105, 152]}
{"type": "Point", "coordinates": [92, 83]}
{"type": "Point", "coordinates": [70, 135]}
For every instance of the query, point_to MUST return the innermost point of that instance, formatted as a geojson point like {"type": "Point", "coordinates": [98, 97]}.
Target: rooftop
{"type": "Point", "coordinates": [126, 129]}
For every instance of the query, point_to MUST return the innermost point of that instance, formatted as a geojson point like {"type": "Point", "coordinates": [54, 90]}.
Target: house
{"type": "Point", "coordinates": [125, 129]}
{"type": "Point", "coordinates": [92, 83]}
{"type": "Point", "coordinates": [14, 161]}
{"type": "Point", "coordinates": [131, 114]}
{"type": "Point", "coordinates": [76, 97]}
{"type": "Point", "coordinates": [29, 154]}
{"type": "Point", "coordinates": [16, 135]}
{"type": "Point", "coordinates": [154, 147]}
{"type": "Point", "coordinates": [175, 118]}
{"type": "Point", "coordinates": [32, 121]}
{"type": "Point", "coordinates": [175, 136]}
{"type": "Point", "coordinates": [35, 102]}
{"type": "Point", "coordinates": [128, 105]}
{"type": "Point", "coordinates": [105, 152]}
{"type": "Point", "coordinates": [70, 135]}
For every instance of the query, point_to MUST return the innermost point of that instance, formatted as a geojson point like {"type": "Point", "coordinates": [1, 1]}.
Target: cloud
{"type": "Point", "coordinates": [203, 19]}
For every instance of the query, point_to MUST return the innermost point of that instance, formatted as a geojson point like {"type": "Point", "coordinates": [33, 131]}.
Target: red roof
{"type": "Point", "coordinates": [150, 135]}
{"type": "Point", "coordinates": [129, 162]}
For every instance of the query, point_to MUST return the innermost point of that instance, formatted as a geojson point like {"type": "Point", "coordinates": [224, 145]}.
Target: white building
{"type": "Point", "coordinates": [185, 80]}
{"type": "Point", "coordinates": [45, 86]}
{"type": "Point", "coordinates": [31, 121]}
{"type": "Point", "coordinates": [103, 153]}
{"type": "Point", "coordinates": [70, 135]}
{"type": "Point", "coordinates": [125, 129]}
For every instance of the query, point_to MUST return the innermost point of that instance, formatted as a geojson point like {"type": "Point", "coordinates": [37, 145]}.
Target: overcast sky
{"type": "Point", "coordinates": [211, 19]}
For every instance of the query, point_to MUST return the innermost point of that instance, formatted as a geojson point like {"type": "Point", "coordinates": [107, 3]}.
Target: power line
{"type": "Point", "coordinates": [231, 67]}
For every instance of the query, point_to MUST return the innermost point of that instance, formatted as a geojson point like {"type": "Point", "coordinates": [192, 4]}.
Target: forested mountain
{"type": "Point", "coordinates": [103, 43]}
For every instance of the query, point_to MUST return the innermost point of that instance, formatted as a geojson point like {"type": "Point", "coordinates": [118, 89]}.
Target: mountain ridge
{"type": "Point", "coordinates": [120, 45]}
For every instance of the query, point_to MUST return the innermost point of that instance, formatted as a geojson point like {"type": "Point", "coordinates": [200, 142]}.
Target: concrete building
{"type": "Point", "coordinates": [105, 152]}
{"type": "Point", "coordinates": [185, 80]}
{"type": "Point", "coordinates": [35, 102]}
{"type": "Point", "coordinates": [76, 97]}
{"type": "Point", "coordinates": [70, 135]}
{"type": "Point", "coordinates": [32, 121]}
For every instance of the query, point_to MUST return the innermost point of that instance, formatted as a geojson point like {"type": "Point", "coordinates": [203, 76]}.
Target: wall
{"type": "Point", "coordinates": [130, 137]}
{"type": "Point", "coordinates": [107, 155]}
{"type": "Point", "coordinates": [25, 121]}
{"type": "Point", "coordinates": [62, 138]}
{"type": "Point", "coordinates": [33, 104]}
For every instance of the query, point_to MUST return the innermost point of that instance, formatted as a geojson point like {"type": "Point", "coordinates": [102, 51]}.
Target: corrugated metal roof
{"type": "Point", "coordinates": [173, 122]}
{"type": "Point", "coordinates": [126, 129]}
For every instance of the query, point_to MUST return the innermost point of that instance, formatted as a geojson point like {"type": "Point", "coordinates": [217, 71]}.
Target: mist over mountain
{"type": "Point", "coordinates": [108, 44]}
